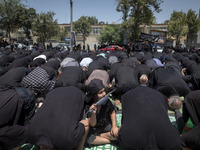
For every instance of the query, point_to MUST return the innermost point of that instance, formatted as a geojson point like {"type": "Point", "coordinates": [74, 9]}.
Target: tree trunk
{"type": "Point", "coordinates": [43, 43]}
{"type": "Point", "coordinates": [177, 40]}
{"type": "Point", "coordinates": [83, 40]}
{"type": "Point", "coordinates": [9, 35]}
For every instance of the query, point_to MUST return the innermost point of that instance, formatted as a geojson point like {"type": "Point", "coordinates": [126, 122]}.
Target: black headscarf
{"type": "Point", "coordinates": [92, 66]}
{"type": "Point", "coordinates": [74, 55]}
{"type": "Point", "coordinates": [6, 60]}
{"type": "Point", "coordinates": [95, 86]}
{"type": "Point", "coordinates": [71, 76]}
{"type": "Point", "coordinates": [37, 62]}
{"type": "Point", "coordinates": [35, 54]}
{"type": "Point", "coordinates": [51, 67]}
{"type": "Point", "coordinates": [3, 70]}
{"type": "Point", "coordinates": [128, 62]}
{"type": "Point", "coordinates": [191, 109]}
{"type": "Point", "coordinates": [192, 104]}
{"type": "Point", "coordinates": [13, 77]}
{"type": "Point", "coordinates": [53, 63]}
{"type": "Point", "coordinates": [20, 62]}
{"type": "Point", "coordinates": [12, 131]}
{"type": "Point", "coordinates": [151, 63]}
{"type": "Point", "coordinates": [148, 55]}
{"type": "Point", "coordinates": [143, 69]}
{"type": "Point", "coordinates": [104, 61]}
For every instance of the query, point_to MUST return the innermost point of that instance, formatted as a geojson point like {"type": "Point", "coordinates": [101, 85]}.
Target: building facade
{"type": "Point", "coordinates": [91, 40]}
{"type": "Point", "coordinates": [155, 29]}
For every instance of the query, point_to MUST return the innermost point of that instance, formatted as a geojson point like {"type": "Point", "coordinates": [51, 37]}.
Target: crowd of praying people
{"type": "Point", "coordinates": [49, 98]}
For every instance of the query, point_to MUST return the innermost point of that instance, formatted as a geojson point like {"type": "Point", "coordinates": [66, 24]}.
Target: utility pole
{"type": "Point", "coordinates": [71, 24]}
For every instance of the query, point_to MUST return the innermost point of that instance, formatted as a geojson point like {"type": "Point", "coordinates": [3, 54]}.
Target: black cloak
{"type": "Point", "coordinates": [145, 122]}
{"type": "Point", "coordinates": [191, 109]}
{"type": "Point", "coordinates": [56, 124]}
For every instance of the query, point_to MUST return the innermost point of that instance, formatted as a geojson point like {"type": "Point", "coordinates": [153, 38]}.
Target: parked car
{"type": "Point", "coordinates": [159, 48]}
{"type": "Point", "coordinates": [111, 48]}
{"type": "Point", "coordinates": [62, 46]}
{"type": "Point", "coordinates": [17, 45]}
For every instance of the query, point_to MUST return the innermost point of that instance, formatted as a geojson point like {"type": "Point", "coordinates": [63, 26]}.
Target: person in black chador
{"type": "Point", "coordinates": [17, 106]}
{"type": "Point", "coordinates": [94, 65]}
{"type": "Point", "coordinates": [191, 139]}
{"type": "Point", "coordinates": [71, 76]}
{"type": "Point", "coordinates": [169, 81]}
{"type": "Point", "coordinates": [42, 79]}
{"type": "Point", "coordinates": [113, 69]}
{"type": "Point", "coordinates": [124, 75]}
{"type": "Point", "coordinates": [58, 124]}
{"type": "Point", "coordinates": [192, 69]}
{"type": "Point", "coordinates": [145, 122]}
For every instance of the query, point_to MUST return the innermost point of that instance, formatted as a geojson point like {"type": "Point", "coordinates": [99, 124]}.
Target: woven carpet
{"type": "Point", "coordinates": [119, 116]}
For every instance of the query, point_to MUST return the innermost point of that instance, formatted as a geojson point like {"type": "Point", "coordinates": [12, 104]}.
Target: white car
{"type": "Point", "coordinates": [159, 49]}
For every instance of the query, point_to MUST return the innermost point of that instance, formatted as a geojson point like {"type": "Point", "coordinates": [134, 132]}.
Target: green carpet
{"type": "Point", "coordinates": [102, 147]}
{"type": "Point", "coordinates": [119, 117]}
{"type": "Point", "coordinates": [106, 146]}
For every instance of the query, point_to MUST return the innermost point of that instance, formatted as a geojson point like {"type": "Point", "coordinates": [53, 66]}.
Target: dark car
{"type": "Point", "coordinates": [62, 46]}
{"type": "Point", "coordinates": [111, 48]}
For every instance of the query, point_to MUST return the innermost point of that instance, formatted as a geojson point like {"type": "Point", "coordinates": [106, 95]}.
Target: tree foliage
{"type": "Point", "coordinates": [44, 26]}
{"type": "Point", "coordinates": [166, 22]}
{"type": "Point", "coordinates": [83, 26]}
{"type": "Point", "coordinates": [177, 25]}
{"type": "Point", "coordinates": [8, 15]}
{"type": "Point", "coordinates": [139, 12]}
{"type": "Point", "coordinates": [15, 15]}
{"type": "Point", "coordinates": [142, 13]}
{"type": "Point", "coordinates": [123, 6]}
{"type": "Point", "coordinates": [193, 23]}
{"type": "Point", "coordinates": [62, 34]}
{"type": "Point", "coordinates": [110, 34]}
{"type": "Point", "coordinates": [25, 19]}
{"type": "Point", "coordinates": [92, 20]}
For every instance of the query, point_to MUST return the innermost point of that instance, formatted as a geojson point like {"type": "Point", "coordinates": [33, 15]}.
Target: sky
{"type": "Point", "coordinates": [104, 10]}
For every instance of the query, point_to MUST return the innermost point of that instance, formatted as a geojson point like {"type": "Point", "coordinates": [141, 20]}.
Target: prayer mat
{"type": "Point", "coordinates": [119, 117]}
{"type": "Point", "coordinates": [105, 146]}
{"type": "Point", "coordinates": [189, 125]}
{"type": "Point", "coordinates": [102, 147]}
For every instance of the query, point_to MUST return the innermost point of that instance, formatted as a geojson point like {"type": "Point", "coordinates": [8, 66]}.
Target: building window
{"type": "Point", "coordinates": [96, 30]}
{"type": "Point", "coordinates": [67, 29]}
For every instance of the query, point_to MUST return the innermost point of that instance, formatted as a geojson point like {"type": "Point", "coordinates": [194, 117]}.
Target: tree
{"type": "Point", "coordinates": [44, 26]}
{"type": "Point", "coordinates": [139, 12]}
{"type": "Point", "coordinates": [193, 24]}
{"type": "Point", "coordinates": [142, 13]}
{"type": "Point", "coordinates": [25, 19]}
{"type": "Point", "coordinates": [83, 26]}
{"type": "Point", "coordinates": [177, 25]}
{"type": "Point", "coordinates": [92, 20]}
{"type": "Point", "coordinates": [8, 15]}
{"type": "Point", "coordinates": [166, 22]}
{"type": "Point", "coordinates": [62, 34]}
{"type": "Point", "coordinates": [110, 34]}
{"type": "Point", "coordinates": [123, 6]}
